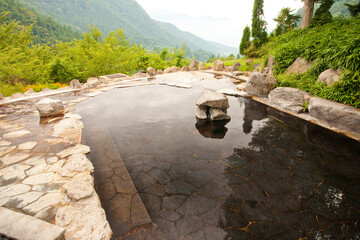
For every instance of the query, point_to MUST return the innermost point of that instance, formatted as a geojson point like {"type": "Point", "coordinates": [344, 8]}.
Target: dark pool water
{"type": "Point", "coordinates": [263, 175]}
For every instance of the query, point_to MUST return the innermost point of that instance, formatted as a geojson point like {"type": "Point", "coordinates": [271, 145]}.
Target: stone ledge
{"type": "Point", "coordinates": [19, 226]}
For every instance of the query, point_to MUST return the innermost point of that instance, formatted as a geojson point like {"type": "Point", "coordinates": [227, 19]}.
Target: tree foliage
{"type": "Point", "coordinates": [285, 21]}
{"type": "Point", "coordinates": [354, 9]}
{"type": "Point", "coordinates": [245, 40]}
{"type": "Point", "coordinates": [322, 14]}
{"type": "Point", "coordinates": [258, 26]}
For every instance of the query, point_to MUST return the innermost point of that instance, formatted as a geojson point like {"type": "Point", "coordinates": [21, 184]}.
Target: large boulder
{"type": "Point", "coordinates": [260, 85]}
{"type": "Point", "coordinates": [329, 76]}
{"type": "Point", "coordinates": [300, 66]}
{"type": "Point", "coordinates": [336, 114]}
{"type": "Point", "coordinates": [201, 113]}
{"type": "Point", "coordinates": [290, 99]}
{"type": "Point", "coordinates": [92, 83]}
{"type": "Point", "coordinates": [218, 115]}
{"type": "Point", "coordinates": [151, 71]}
{"type": "Point", "coordinates": [227, 68]}
{"type": "Point", "coordinates": [235, 67]}
{"type": "Point", "coordinates": [75, 84]}
{"type": "Point", "coordinates": [194, 65]}
{"type": "Point", "coordinates": [201, 66]}
{"type": "Point", "coordinates": [213, 99]}
{"type": "Point", "coordinates": [50, 107]}
{"type": "Point", "coordinates": [219, 65]}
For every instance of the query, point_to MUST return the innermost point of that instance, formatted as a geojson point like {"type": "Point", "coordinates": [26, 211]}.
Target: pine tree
{"type": "Point", "coordinates": [245, 40]}
{"type": "Point", "coordinates": [322, 14]}
{"type": "Point", "coordinates": [354, 9]}
{"type": "Point", "coordinates": [258, 26]}
{"type": "Point", "coordinates": [285, 21]}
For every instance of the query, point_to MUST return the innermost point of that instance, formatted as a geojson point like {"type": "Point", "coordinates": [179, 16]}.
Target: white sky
{"type": "Point", "coordinates": [218, 21]}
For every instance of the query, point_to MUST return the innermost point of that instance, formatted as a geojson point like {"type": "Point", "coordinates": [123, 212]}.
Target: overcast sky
{"type": "Point", "coordinates": [219, 21]}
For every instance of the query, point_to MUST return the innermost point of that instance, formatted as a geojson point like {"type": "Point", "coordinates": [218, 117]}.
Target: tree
{"type": "Point", "coordinates": [322, 14]}
{"type": "Point", "coordinates": [285, 21]}
{"type": "Point", "coordinates": [308, 11]}
{"type": "Point", "coordinates": [258, 26]}
{"type": "Point", "coordinates": [354, 9]}
{"type": "Point", "coordinates": [245, 40]}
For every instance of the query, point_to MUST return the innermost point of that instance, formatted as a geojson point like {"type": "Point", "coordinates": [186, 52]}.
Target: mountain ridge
{"type": "Point", "coordinates": [138, 26]}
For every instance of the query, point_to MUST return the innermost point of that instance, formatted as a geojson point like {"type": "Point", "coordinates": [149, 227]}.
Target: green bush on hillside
{"type": "Point", "coordinates": [333, 45]}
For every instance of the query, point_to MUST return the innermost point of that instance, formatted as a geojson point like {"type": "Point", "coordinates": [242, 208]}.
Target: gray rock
{"type": "Point", "coordinates": [29, 92]}
{"type": "Point", "coordinates": [185, 68]}
{"type": "Point", "coordinates": [300, 66]}
{"type": "Point", "coordinates": [219, 65]}
{"type": "Point", "coordinates": [329, 76]}
{"type": "Point", "coordinates": [290, 99]}
{"type": "Point", "coordinates": [238, 73]}
{"type": "Point", "coordinates": [104, 80]}
{"type": "Point", "coordinates": [159, 72]}
{"type": "Point", "coordinates": [213, 99]}
{"type": "Point", "coordinates": [260, 85]}
{"type": "Point", "coordinates": [201, 113]}
{"type": "Point", "coordinates": [194, 65]}
{"type": "Point", "coordinates": [218, 114]}
{"type": "Point", "coordinates": [151, 71]}
{"type": "Point", "coordinates": [80, 188]}
{"type": "Point", "coordinates": [50, 107]}
{"type": "Point", "coordinates": [227, 68]}
{"type": "Point", "coordinates": [336, 114]}
{"type": "Point", "coordinates": [139, 75]}
{"type": "Point", "coordinates": [270, 65]}
{"type": "Point", "coordinates": [92, 83]}
{"type": "Point", "coordinates": [75, 84]}
{"type": "Point", "coordinates": [201, 66]}
{"type": "Point", "coordinates": [1, 96]}
{"type": "Point", "coordinates": [235, 67]}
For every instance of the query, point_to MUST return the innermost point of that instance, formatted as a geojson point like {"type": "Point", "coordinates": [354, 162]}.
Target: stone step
{"type": "Point", "coordinates": [20, 226]}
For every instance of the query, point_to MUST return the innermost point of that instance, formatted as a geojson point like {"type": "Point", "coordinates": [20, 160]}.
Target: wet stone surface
{"type": "Point", "coordinates": [271, 177]}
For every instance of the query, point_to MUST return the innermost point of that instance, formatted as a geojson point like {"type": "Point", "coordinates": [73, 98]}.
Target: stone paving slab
{"type": "Point", "coordinates": [20, 226]}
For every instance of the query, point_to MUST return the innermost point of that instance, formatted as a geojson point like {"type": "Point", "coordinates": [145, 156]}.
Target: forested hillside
{"type": "Point", "coordinates": [45, 29]}
{"type": "Point", "coordinates": [128, 15]}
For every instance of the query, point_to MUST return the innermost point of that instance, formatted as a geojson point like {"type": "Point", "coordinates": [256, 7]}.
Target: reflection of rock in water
{"type": "Point", "coordinates": [253, 111]}
{"type": "Point", "coordinates": [212, 129]}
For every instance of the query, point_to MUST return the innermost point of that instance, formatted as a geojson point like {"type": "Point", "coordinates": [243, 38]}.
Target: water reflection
{"type": "Point", "coordinates": [212, 129]}
{"type": "Point", "coordinates": [254, 111]}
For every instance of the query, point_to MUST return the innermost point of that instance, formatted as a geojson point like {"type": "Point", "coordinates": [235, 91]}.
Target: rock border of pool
{"type": "Point", "coordinates": [71, 193]}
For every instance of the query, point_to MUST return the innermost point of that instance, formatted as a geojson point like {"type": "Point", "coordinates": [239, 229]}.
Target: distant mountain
{"type": "Point", "coordinates": [45, 30]}
{"type": "Point", "coordinates": [110, 15]}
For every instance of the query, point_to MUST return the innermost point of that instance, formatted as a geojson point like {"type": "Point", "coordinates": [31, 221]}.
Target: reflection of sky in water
{"type": "Point", "coordinates": [333, 197]}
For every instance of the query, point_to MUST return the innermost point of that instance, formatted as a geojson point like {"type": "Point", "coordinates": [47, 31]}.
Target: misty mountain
{"type": "Point", "coordinates": [110, 15]}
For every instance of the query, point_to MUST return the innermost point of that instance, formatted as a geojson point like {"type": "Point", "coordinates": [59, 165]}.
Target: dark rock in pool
{"type": "Point", "coordinates": [212, 129]}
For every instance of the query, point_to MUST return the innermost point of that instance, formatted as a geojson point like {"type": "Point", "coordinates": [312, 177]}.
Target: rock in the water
{"type": "Point", "coordinates": [1, 96]}
{"type": "Point", "coordinates": [213, 99]}
{"type": "Point", "coordinates": [300, 66]}
{"type": "Point", "coordinates": [167, 70]}
{"type": "Point", "coordinates": [29, 92]}
{"type": "Point", "coordinates": [174, 69]}
{"type": "Point", "coordinates": [151, 71]}
{"type": "Point", "coordinates": [329, 76]}
{"type": "Point", "coordinates": [201, 66]}
{"type": "Point", "coordinates": [159, 72]}
{"type": "Point", "coordinates": [235, 67]}
{"type": "Point", "coordinates": [260, 85]}
{"type": "Point", "coordinates": [185, 68]}
{"type": "Point", "coordinates": [50, 107]}
{"type": "Point", "coordinates": [336, 114]}
{"type": "Point", "coordinates": [92, 83]}
{"type": "Point", "coordinates": [219, 65]}
{"type": "Point", "coordinates": [201, 113]}
{"type": "Point", "coordinates": [75, 84]}
{"type": "Point", "coordinates": [218, 114]}
{"type": "Point", "coordinates": [194, 65]}
{"type": "Point", "coordinates": [290, 99]}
